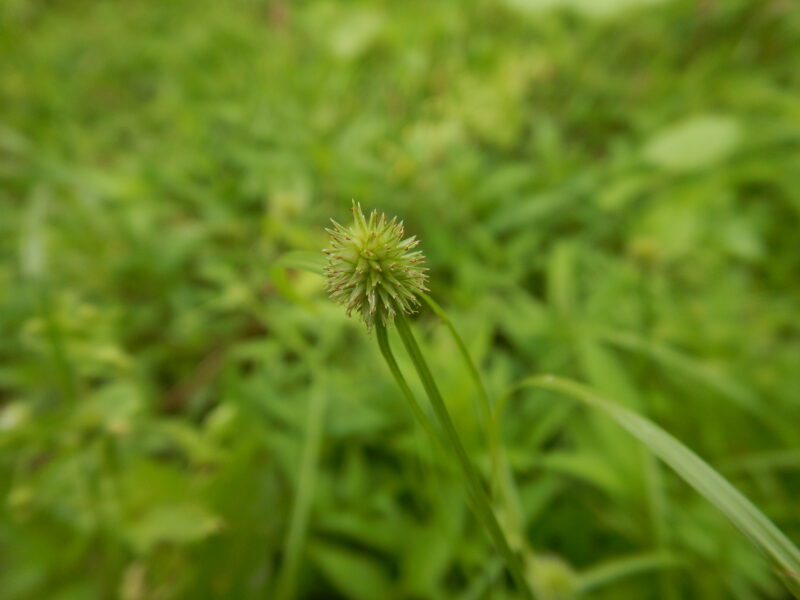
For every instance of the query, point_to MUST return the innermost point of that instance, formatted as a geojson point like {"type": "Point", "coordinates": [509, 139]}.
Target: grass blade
{"type": "Point", "coordinates": [298, 524]}
{"type": "Point", "coordinates": [695, 471]}
{"type": "Point", "coordinates": [620, 568]}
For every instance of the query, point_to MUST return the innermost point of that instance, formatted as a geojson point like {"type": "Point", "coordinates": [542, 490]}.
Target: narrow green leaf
{"type": "Point", "coordinates": [625, 566]}
{"type": "Point", "coordinates": [695, 471]}
{"type": "Point", "coordinates": [301, 509]}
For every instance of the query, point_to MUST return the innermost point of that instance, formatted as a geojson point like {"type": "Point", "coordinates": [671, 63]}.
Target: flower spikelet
{"type": "Point", "coordinates": [373, 268]}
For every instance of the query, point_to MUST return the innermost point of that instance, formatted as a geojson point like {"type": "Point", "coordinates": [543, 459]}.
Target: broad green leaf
{"type": "Point", "coordinates": [353, 34]}
{"type": "Point", "coordinates": [608, 8]}
{"type": "Point", "coordinates": [172, 523]}
{"type": "Point", "coordinates": [114, 407]}
{"type": "Point", "coordinates": [694, 143]}
{"type": "Point", "coordinates": [189, 440]}
{"type": "Point", "coordinates": [531, 6]}
{"type": "Point", "coordinates": [591, 8]}
{"type": "Point", "coordinates": [741, 238]}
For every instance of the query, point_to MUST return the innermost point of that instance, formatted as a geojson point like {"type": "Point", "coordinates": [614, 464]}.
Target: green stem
{"type": "Point", "coordinates": [502, 477]}
{"type": "Point", "coordinates": [486, 403]}
{"type": "Point", "coordinates": [386, 351]}
{"type": "Point", "coordinates": [486, 409]}
{"type": "Point", "coordinates": [481, 502]}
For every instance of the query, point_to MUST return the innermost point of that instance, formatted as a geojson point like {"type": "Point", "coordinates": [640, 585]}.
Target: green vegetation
{"type": "Point", "coordinates": [607, 191]}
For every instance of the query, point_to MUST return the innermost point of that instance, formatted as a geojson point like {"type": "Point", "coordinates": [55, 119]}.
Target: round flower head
{"type": "Point", "coordinates": [373, 269]}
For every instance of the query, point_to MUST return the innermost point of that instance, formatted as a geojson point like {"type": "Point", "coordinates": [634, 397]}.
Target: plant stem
{"type": "Point", "coordinates": [502, 478]}
{"type": "Point", "coordinates": [486, 409]}
{"type": "Point", "coordinates": [386, 351]}
{"type": "Point", "coordinates": [481, 502]}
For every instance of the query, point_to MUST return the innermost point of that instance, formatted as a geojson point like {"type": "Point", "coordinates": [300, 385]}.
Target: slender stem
{"type": "Point", "coordinates": [486, 409]}
{"type": "Point", "coordinates": [502, 477]}
{"type": "Point", "coordinates": [481, 502]}
{"type": "Point", "coordinates": [485, 403]}
{"type": "Point", "coordinates": [386, 351]}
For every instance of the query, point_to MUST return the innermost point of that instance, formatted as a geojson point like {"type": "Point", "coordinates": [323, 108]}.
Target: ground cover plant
{"type": "Point", "coordinates": [606, 191]}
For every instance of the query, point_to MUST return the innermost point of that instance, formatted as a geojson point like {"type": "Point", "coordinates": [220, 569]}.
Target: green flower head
{"type": "Point", "coordinates": [373, 269]}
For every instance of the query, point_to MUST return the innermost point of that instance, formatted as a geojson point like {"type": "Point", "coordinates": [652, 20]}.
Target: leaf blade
{"type": "Point", "coordinates": [695, 471]}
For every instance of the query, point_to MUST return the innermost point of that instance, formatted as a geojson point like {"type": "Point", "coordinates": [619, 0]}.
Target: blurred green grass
{"type": "Point", "coordinates": [605, 190]}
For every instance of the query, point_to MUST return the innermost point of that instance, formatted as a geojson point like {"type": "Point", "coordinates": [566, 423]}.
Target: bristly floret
{"type": "Point", "coordinates": [373, 269]}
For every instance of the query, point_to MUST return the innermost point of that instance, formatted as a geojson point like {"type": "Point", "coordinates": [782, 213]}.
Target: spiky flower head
{"type": "Point", "coordinates": [373, 269]}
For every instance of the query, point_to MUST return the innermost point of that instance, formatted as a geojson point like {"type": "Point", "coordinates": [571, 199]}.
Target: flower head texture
{"type": "Point", "coordinates": [373, 269]}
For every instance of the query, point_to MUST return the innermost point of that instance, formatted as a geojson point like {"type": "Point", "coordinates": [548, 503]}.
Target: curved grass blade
{"type": "Point", "coordinates": [617, 569]}
{"type": "Point", "coordinates": [695, 471]}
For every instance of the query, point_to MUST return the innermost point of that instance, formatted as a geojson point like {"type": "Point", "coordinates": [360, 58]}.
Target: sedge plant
{"type": "Point", "coordinates": [374, 269]}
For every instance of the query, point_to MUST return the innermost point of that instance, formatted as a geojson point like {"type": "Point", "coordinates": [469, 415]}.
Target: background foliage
{"type": "Point", "coordinates": [605, 189]}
